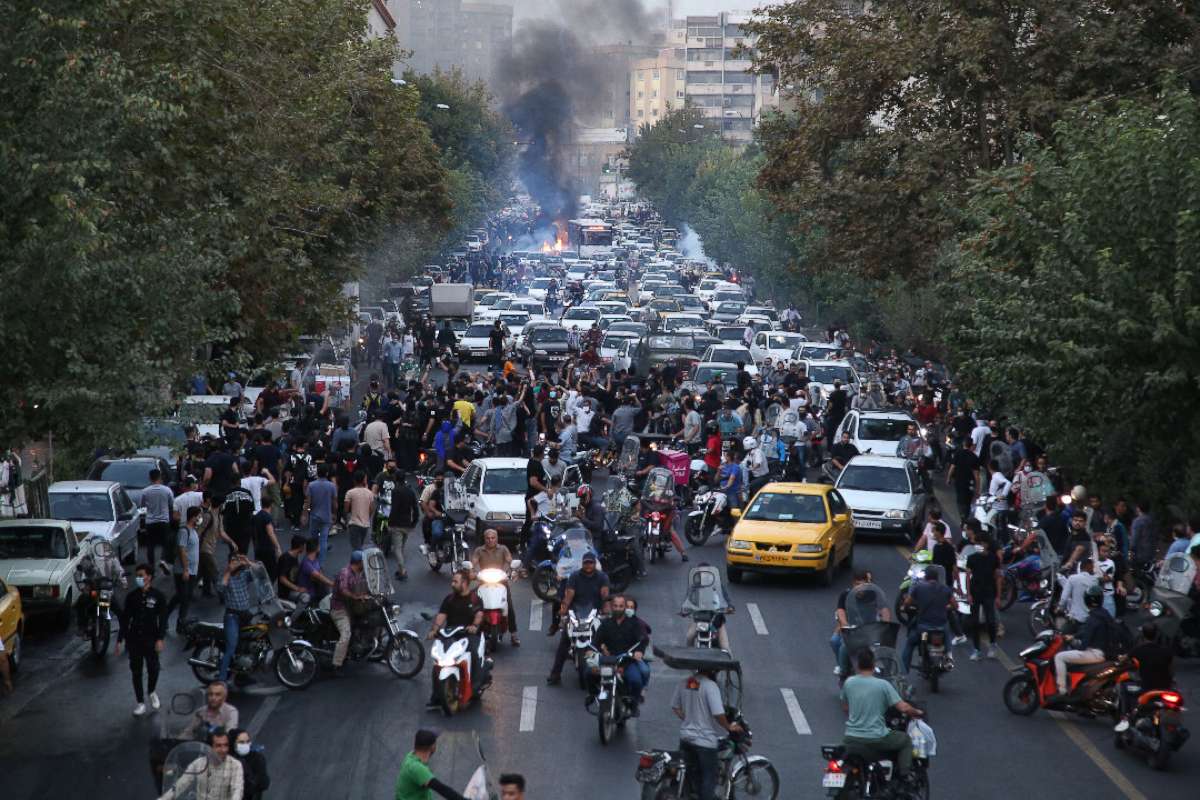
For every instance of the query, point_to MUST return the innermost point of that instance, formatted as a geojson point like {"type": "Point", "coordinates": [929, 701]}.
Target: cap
{"type": "Point", "coordinates": [356, 557]}
{"type": "Point", "coordinates": [589, 556]}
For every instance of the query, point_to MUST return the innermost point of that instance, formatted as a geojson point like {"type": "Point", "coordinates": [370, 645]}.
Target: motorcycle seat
{"type": "Point", "coordinates": [1088, 669]}
{"type": "Point", "coordinates": [208, 629]}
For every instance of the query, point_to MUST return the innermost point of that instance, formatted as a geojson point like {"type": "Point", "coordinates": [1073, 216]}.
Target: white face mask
{"type": "Point", "coordinates": [242, 748]}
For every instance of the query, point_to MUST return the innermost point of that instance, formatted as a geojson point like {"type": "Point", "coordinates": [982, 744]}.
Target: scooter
{"type": "Point", "coordinates": [1152, 725]}
{"type": "Point", "coordinates": [1092, 688]}
{"type": "Point", "coordinates": [454, 683]}
{"type": "Point", "coordinates": [1170, 605]}
{"type": "Point", "coordinates": [493, 595]}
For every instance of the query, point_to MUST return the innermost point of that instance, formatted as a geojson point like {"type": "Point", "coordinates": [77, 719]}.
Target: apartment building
{"type": "Point", "coordinates": [444, 34]}
{"type": "Point", "coordinates": [656, 86]}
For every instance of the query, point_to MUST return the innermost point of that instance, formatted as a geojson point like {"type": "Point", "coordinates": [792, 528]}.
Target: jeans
{"type": "Point", "coordinates": [341, 618]}
{"type": "Point", "coordinates": [437, 528]}
{"type": "Point", "coordinates": [158, 535]}
{"type": "Point", "coordinates": [914, 636]}
{"type": "Point", "coordinates": [702, 768]}
{"type": "Point", "coordinates": [637, 675]}
{"type": "Point", "coordinates": [233, 630]}
{"type": "Point", "coordinates": [319, 529]}
{"type": "Point", "coordinates": [988, 605]}
{"type": "Point", "coordinates": [358, 535]}
{"type": "Point", "coordinates": [182, 599]}
{"type": "Point", "coordinates": [1065, 657]}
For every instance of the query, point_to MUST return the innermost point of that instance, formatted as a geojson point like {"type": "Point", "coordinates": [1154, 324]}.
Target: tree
{"type": "Point", "coordinates": [664, 159]}
{"type": "Point", "coordinates": [1078, 294]}
{"type": "Point", "coordinates": [896, 108]}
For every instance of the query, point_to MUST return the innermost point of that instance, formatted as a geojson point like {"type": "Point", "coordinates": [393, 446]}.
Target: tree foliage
{"type": "Point", "coordinates": [174, 175]}
{"type": "Point", "coordinates": [897, 108]}
{"type": "Point", "coordinates": [1077, 293]}
{"type": "Point", "coordinates": [664, 160]}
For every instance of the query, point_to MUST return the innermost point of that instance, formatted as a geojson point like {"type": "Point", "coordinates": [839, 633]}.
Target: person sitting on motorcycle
{"type": "Point", "coordinates": [98, 563]}
{"type": "Point", "coordinates": [729, 423]}
{"type": "Point", "coordinates": [459, 609]}
{"type": "Point", "coordinates": [217, 713]}
{"type": "Point", "coordinates": [288, 583]}
{"type": "Point", "coordinates": [492, 554]}
{"type": "Point", "coordinates": [350, 587]}
{"type": "Point", "coordinates": [1094, 641]}
{"type": "Point", "coordinates": [587, 587]}
{"type": "Point", "coordinates": [866, 700]}
{"type": "Point", "coordinates": [689, 604]}
{"type": "Point", "coordinates": [756, 466]}
{"type": "Point", "coordinates": [861, 578]}
{"type": "Point", "coordinates": [841, 452]}
{"type": "Point", "coordinates": [647, 459]}
{"type": "Point", "coordinates": [731, 481]}
{"type": "Point", "coordinates": [616, 636]}
{"type": "Point", "coordinates": [458, 458]}
{"type": "Point", "coordinates": [660, 501]}
{"type": "Point", "coordinates": [933, 600]}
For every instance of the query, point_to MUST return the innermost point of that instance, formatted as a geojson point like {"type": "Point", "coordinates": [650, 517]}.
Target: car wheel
{"type": "Point", "coordinates": [14, 654]}
{"type": "Point", "coordinates": [827, 574]}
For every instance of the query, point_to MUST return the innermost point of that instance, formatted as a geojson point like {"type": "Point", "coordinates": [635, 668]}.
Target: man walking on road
{"type": "Point", "coordinates": [159, 501]}
{"type": "Point", "coordinates": [322, 496]}
{"type": "Point", "coordinates": [357, 504]}
{"type": "Point", "coordinates": [187, 563]}
{"type": "Point", "coordinates": [143, 625]}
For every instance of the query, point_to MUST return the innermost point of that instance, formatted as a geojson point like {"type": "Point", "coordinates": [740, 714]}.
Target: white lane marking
{"type": "Point", "coordinates": [528, 708]}
{"type": "Point", "coordinates": [760, 627]}
{"type": "Point", "coordinates": [260, 717]}
{"type": "Point", "coordinates": [535, 615]}
{"type": "Point", "coordinates": [793, 708]}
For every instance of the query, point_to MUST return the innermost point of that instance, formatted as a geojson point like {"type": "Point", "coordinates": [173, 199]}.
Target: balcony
{"type": "Point", "coordinates": [738, 65]}
{"type": "Point", "coordinates": [705, 88]}
{"type": "Point", "coordinates": [703, 66]}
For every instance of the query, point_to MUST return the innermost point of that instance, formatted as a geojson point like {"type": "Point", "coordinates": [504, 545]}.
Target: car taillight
{"type": "Point", "coordinates": [645, 762]}
{"type": "Point", "coordinates": [833, 766]}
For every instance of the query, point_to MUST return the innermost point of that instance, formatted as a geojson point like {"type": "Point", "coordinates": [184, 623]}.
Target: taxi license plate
{"type": "Point", "coordinates": [834, 780]}
{"type": "Point", "coordinates": [771, 558]}
{"type": "Point", "coordinates": [874, 524]}
{"type": "Point", "coordinates": [479, 352]}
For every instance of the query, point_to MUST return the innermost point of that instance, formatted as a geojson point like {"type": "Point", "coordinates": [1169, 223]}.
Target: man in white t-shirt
{"type": "Point", "coordinates": [254, 485]}
{"type": "Point", "coordinates": [188, 498]}
{"type": "Point", "coordinates": [978, 434]}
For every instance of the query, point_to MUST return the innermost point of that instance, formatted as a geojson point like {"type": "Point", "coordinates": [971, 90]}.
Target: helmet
{"type": "Point", "coordinates": [711, 427]}
{"type": "Point", "coordinates": [1093, 597]}
{"type": "Point", "coordinates": [584, 488]}
{"type": "Point", "coordinates": [749, 443]}
{"type": "Point", "coordinates": [1079, 494]}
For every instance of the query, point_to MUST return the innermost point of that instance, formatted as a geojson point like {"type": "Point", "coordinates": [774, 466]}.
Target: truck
{"type": "Point", "coordinates": [451, 300]}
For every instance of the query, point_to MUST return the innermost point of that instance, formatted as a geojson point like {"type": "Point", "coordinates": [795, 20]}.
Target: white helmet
{"type": "Point", "coordinates": [749, 443]}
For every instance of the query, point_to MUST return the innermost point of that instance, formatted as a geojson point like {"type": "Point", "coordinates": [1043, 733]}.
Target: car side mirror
{"type": "Point", "coordinates": [736, 513]}
{"type": "Point", "coordinates": [841, 517]}
{"type": "Point", "coordinates": [125, 516]}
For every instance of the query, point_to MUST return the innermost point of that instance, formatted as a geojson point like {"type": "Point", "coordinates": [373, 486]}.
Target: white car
{"type": "Point", "coordinates": [677, 322]}
{"type": "Point", "coordinates": [515, 321]}
{"type": "Point", "coordinates": [98, 508]}
{"type": "Point", "coordinates": [612, 341]}
{"type": "Point", "coordinates": [39, 557]}
{"type": "Point", "coordinates": [533, 308]}
{"type": "Point", "coordinates": [885, 495]}
{"type": "Point", "coordinates": [611, 306]}
{"type": "Point", "coordinates": [583, 316]}
{"type": "Point", "coordinates": [775, 345]}
{"type": "Point", "coordinates": [822, 374]}
{"type": "Point", "coordinates": [476, 343]}
{"type": "Point", "coordinates": [727, 354]}
{"type": "Point", "coordinates": [204, 412]}
{"type": "Point", "coordinates": [493, 311]}
{"type": "Point", "coordinates": [538, 287]}
{"type": "Point", "coordinates": [492, 492]}
{"type": "Point", "coordinates": [875, 432]}
{"type": "Point", "coordinates": [488, 300]}
{"type": "Point", "coordinates": [578, 271]}
{"type": "Point", "coordinates": [815, 350]}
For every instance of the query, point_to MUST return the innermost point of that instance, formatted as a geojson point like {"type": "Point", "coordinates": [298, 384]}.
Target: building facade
{"type": "Point", "coordinates": [444, 34]}
{"type": "Point", "coordinates": [656, 86]}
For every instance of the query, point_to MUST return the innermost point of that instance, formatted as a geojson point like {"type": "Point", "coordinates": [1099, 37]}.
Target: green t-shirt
{"type": "Point", "coordinates": [868, 699]}
{"type": "Point", "coordinates": [414, 775]}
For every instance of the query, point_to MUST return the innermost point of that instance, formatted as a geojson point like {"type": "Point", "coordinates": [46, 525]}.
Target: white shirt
{"type": "Point", "coordinates": [185, 501]}
{"type": "Point", "coordinates": [375, 435]}
{"type": "Point", "coordinates": [254, 485]}
{"type": "Point", "coordinates": [979, 433]}
{"type": "Point", "coordinates": [1106, 569]}
{"type": "Point", "coordinates": [1072, 596]}
{"type": "Point", "coordinates": [583, 418]}
{"type": "Point", "coordinates": [756, 463]}
{"type": "Point", "coordinates": [999, 489]}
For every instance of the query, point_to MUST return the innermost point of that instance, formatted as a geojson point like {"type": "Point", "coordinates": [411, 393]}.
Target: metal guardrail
{"type": "Point", "coordinates": [30, 500]}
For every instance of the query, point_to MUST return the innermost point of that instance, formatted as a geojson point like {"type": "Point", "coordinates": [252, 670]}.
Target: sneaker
{"type": "Point", "coordinates": [433, 705]}
{"type": "Point", "coordinates": [684, 557]}
{"type": "Point", "coordinates": [154, 702]}
{"type": "Point", "coordinates": [837, 671]}
{"type": "Point", "coordinates": [976, 655]}
{"type": "Point", "coordinates": [553, 629]}
{"type": "Point", "coordinates": [401, 576]}
{"type": "Point", "coordinates": [958, 640]}
{"type": "Point", "coordinates": [1121, 726]}
{"type": "Point", "coordinates": [991, 651]}
{"type": "Point", "coordinates": [514, 641]}
{"type": "Point", "coordinates": [165, 567]}
{"type": "Point", "coordinates": [139, 709]}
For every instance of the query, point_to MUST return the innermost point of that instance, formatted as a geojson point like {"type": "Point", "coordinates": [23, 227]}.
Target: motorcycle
{"type": "Point", "coordinates": [451, 548]}
{"type": "Point", "coordinates": [1152, 724]}
{"type": "Point", "coordinates": [493, 595]}
{"type": "Point", "coordinates": [96, 597]}
{"type": "Point", "coordinates": [853, 772]}
{"type": "Point", "coordinates": [708, 515]}
{"type": "Point", "coordinates": [454, 682]}
{"type": "Point", "coordinates": [264, 643]}
{"type": "Point", "coordinates": [1170, 605]}
{"type": "Point", "coordinates": [566, 546]}
{"type": "Point", "coordinates": [658, 512]}
{"type": "Point", "coordinates": [581, 628]}
{"type": "Point", "coordinates": [1092, 688]}
{"type": "Point", "coordinates": [864, 629]}
{"type": "Point", "coordinates": [375, 632]}
{"type": "Point", "coordinates": [706, 604]}
{"type": "Point", "coordinates": [614, 706]}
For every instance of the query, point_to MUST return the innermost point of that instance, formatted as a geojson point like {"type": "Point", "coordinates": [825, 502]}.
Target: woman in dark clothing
{"type": "Point", "coordinates": [254, 765]}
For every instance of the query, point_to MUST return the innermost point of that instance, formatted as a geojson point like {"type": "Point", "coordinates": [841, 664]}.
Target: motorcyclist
{"type": "Point", "coordinates": [459, 609]}
{"type": "Point", "coordinates": [349, 588]}
{"type": "Point", "coordinates": [841, 452]}
{"type": "Point", "coordinates": [587, 587]}
{"type": "Point", "coordinates": [866, 700]}
{"type": "Point", "coordinates": [492, 554]}
{"type": "Point", "coordinates": [755, 463]}
{"type": "Point", "coordinates": [933, 600]}
{"type": "Point", "coordinates": [862, 578]}
{"type": "Point", "coordinates": [692, 602]}
{"type": "Point", "coordinates": [618, 634]}
{"type": "Point", "coordinates": [98, 563]}
{"type": "Point", "coordinates": [1095, 639]}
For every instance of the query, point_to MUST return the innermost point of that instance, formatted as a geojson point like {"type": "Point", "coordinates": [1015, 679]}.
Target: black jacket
{"type": "Point", "coordinates": [254, 775]}
{"type": "Point", "coordinates": [1095, 631]}
{"type": "Point", "coordinates": [144, 618]}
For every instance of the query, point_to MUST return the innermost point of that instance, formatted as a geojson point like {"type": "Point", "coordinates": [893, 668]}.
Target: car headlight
{"type": "Point", "coordinates": [498, 515]}
{"type": "Point", "coordinates": [45, 592]}
{"type": "Point", "coordinates": [810, 548]}
{"type": "Point", "coordinates": [541, 352]}
{"type": "Point", "coordinates": [740, 544]}
{"type": "Point", "coordinates": [895, 513]}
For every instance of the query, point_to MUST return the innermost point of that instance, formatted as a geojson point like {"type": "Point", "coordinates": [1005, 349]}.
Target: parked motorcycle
{"type": "Point", "coordinates": [853, 772]}
{"type": "Point", "coordinates": [1092, 688]}
{"type": "Point", "coordinates": [709, 515]}
{"type": "Point", "coordinates": [376, 633]}
{"type": "Point", "coordinates": [452, 547]}
{"type": "Point", "coordinates": [455, 682]}
{"type": "Point", "coordinates": [1152, 724]}
{"type": "Point", "coordinates": [265, 641]}
{"type": "Point", "coordinates": [493, 595]}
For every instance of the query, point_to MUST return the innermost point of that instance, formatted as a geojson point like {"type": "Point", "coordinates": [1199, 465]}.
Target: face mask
{"type": "Point", "coordinates": [553, 395]}
{"type": "Point", "coordinates": [242, 748]}
{"type": "Point", "coordinates": [630, 612]}
{"type": "Point", "coordinates": [139, 581]}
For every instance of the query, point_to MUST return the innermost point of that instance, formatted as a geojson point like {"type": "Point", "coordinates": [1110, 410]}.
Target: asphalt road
{"type": "Point", "coordinates": [68, 733]}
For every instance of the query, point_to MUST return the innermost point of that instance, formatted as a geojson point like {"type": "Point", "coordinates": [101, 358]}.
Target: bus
{"type": "Point", "coordinates": [589, 236]}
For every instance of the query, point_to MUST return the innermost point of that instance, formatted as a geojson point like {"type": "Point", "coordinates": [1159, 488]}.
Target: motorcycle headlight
{"type": "Point", "coordinates": [1156, 609]}
{"type": "Point", "coordinates": [740, 544]}
{"type": "Point", "coordinates": [895, 513]}
{"type": "Point", "coordinates": [499, 515]}
{"type": "Point", "coordinates": [447, 662]}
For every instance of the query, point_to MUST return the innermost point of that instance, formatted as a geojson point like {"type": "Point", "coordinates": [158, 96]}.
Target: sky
{"type": "Point", "coordinates": [537, 8]}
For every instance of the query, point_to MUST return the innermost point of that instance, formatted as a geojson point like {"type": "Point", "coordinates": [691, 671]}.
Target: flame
{"type": "Point", "coordinates": [546, 247]}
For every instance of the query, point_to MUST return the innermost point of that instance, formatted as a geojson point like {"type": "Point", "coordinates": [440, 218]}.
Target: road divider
{"type": "Point", "coordinates": [535, 615]}
{"type": "Point", "coordinates": [756, 617]}
{"type": "Point", "coordinates": [799, 721]}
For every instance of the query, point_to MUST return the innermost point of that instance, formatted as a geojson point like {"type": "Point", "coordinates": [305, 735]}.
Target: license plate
{"type": "Point", "coordinates": [834, 780]}
{"type": "Point", "coordinates": [558, 358]}
{"type": "Point", "coordinates": [606, 671]}
{"type": "Point", "coordinates": [873, 524]}
{"type": "Point", "coordinates": [479, 352]}
{"type": "Point", "coordinates": [771, 558]}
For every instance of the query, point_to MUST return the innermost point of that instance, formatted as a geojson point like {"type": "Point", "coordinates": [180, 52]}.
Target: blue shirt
{"type": "Point", "coordinates": [1179, 546]}
{"type": "Point", "coordinates": [321, 496]}
{"type": "Point", "coordinates": [238, 595]}
{"type": "Point", "coordinates": [736, 471]}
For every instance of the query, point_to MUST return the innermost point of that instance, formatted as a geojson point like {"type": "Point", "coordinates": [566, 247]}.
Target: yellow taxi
{"type": "Point", "coordinates": [790, 528]}
{"type": "Point", "coordinates": [12, 623]}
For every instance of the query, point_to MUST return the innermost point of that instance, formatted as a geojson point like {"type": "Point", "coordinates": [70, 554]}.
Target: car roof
{"type": "Point", "coordinates": [904, 415]}
{"type": "Point", "coordinates": [827, 362]}
{"type": "Point", "coordinates": [798, 488]}
{"type": "Point", "coordinates": [61, 524]}
{"type": "Point", "coordinates": [872, 460]}
{"type": "Point", "coordinates": [81, 487]}
{"type": "Point", "coordinates": [497, 461]}
{"type": "Point", "coordinates": [134, 459]}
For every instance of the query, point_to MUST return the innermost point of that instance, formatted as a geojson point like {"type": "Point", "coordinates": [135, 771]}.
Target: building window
{"type": "Point", "coordinates": [654, 112]}
{"type": "Point", "coordinates": [639, 95]}
{"type": "Point", "coordinates": [641, 75]}
{"type": "Point", "coordinates": [641, 113]}
{"type": "Point", "coordinates": [679, 92]}
{"type": "Point", "coordinates": [653, 93]}
{"type": "Point", "coordinates": [655, 74]}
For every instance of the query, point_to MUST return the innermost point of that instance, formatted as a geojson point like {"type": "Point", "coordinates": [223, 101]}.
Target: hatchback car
{"type": "Point", "coordinates": [791, 528]}
{"type": "Point", "coordinates": [98, 508]}
{"type": "Point", "coordinates": [492, 492]}
{"type": "Point", "coordinates": [885, 495]}
{"type": "Point", "coordinates": [133, 474]}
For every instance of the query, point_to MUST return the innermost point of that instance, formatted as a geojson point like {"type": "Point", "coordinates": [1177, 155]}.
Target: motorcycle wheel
{"type": "Point", "coordinates": [433, 560]}
{"type": "Point", "coordinates": [101, 633]}
{"type": "Point", "coordinates": [210, 653]}
{"type": "Point", "coordinates": [545, 584]}
{"type": "Point", "coordinates": [1020, 695]}
{"type": "Point", "coordinates": [1040, 619]}
{"type": "Point", "coordinates": [758, 780]}
{"type": "Point", "coordinates": [450, 701]}
{"type": "Point", "coordinates": [1008, 593]}
{"type": "Point", "coordinates": [607, 722]}
{"type": "Point", "coordinates": [295, 666]}
{"type": "Point", "coordinates": [694, 531]}
{"type": "Point", "coordinates": [657, 791]}
{"type": "Point", "coordinates": [405, 655]}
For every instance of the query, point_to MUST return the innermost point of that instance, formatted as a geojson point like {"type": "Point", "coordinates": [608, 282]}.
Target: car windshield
{"type": "Point", "coordinates": [130, 474]}
{"type": "Point", "coordinates": [504, 480]}
{"type": "Point", "coordinates": [539, 283]}
{"type": "Point", "coordinates": [889, 430]}
{"type": "Point", "coordinates": [873, 479]}
{"type": "Point", "coordinates": [583, 313]}
{"type": "Point", "coordinates": [671, 343]}
{"type": "Point", "coordinates": [195, 414]}
{"type": "Point", "coordinates": [631, 327]}
{"type": "Point", "coordinates": [814, 351]}
{"type": "Point", "coordinates": [488, 300]}
{"type": "Point", "coordinates": [827, 373]}
{"type": "Point", "coordinates": [675, 323]}
{"type": "Point", "coordinates": [731, 334]}
{"type": "Point", "coordinates": [706, 374]}
{"type": "Point", "coordinates": [514, 319]}
{"type": "Point", "coordinates": [546, 335]}
{"type": "Point", "coordinates": [733, 297]}
{"type": "Point", "coordinates": [479, 331]}
{"type": "Point", "coordinates": [731, 308]}
{"type": "Point", "coordinates": [32, 542]}
{"type": "Point", "coordinates": [613, 342]}
{"type": "Point", "coordinates": [503, 303]}
{"type": "Point", "coordinates": [773, 507]}
{"type": "Point", "coordinates": [784, 341]}
{"type": "Point", "coordinates": [90, 507]}
{"type": "Point", "coordinates": [730, 355]}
